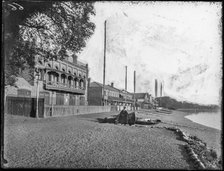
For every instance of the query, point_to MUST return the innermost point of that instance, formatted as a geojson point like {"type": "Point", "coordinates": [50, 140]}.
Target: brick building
{"type": "Point", "coordinates": [60, 82]}
{"type": "Point", "coordinates": [112, 96]}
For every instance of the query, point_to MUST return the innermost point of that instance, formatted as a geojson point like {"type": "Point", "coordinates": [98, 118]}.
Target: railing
{"type": "Point", "coordinates": [78, 64]}
{"type": "Point", "coordinates": [64, 87]}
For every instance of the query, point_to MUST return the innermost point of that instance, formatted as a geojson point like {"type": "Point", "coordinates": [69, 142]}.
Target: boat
{"type": "Point", "coordinates": [163, 110]}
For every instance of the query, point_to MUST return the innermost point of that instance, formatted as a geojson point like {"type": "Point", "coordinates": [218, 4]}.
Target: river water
{"type": "Point", "coordinates": [212, 120]}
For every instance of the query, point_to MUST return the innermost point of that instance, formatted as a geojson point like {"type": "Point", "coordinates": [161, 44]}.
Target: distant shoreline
{"type": "Point", "coordinates": [197, 110]}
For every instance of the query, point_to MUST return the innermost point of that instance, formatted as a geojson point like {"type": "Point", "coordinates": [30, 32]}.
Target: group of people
{"type": "Point", "coordinates": [125, 118]}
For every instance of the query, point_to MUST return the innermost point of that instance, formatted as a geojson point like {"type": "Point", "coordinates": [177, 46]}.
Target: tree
{"type": "Point", "coordinates": [49, 29]}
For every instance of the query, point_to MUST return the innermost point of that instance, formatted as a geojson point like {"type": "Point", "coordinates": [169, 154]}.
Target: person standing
{"type": "Point", "coordinates": [123, 116]}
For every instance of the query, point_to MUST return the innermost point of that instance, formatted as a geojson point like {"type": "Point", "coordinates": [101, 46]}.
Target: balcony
{"type": "Point", "coordinates": [64, 87]}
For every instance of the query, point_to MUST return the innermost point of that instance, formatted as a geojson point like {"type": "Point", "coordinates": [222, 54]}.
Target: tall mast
{"type": "Point", "coordinates": [134, 88]}
{"type": "Point", "coordinates": [125, 83]}
{"type": "Point", "coordinates": [125, 78]}
{"type": "Point", "coordinates": [104, 61]}
{"type": "Point", "coordinates": [161, 89]}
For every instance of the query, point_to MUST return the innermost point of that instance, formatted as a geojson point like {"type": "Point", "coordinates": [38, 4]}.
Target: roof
{"type": "Point", "coordinates": [141, 95]}
{"type": "Point", "coordinates": [117, 99]}
{"type": "Point", "coordinates": [97, 84]}
{"type": "Point", "coordinates": [22, 83]}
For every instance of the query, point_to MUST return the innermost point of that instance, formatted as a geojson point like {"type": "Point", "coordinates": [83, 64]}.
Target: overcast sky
{"type": "Point", "coordinates": [177, 43]}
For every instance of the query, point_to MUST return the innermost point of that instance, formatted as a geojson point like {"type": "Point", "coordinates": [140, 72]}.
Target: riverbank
{"type": "Point", "coordinates": [82, 142]}
{"type": "Point", "coordinates": [177, 119]}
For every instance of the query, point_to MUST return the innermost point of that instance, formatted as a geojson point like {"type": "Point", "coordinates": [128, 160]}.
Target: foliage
{"type": "Point", "coordinates": [49, 29]}
{"type": "Point", "coordinates": [171, 103]}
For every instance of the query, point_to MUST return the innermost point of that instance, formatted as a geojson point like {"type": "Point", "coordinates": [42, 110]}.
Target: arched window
{"type": "Point", "coordinates": [81, 83]}
{"type": "Point", "coordinates": [76, 82]}
{"type": "Point", "coordinates": [56, 77]}
{"type": "Point", "coordinates": [69, 81]}
{"type": "Point", "coordinates": [49, 76]}
{"type": "Point", "coordinates": [63, 77]}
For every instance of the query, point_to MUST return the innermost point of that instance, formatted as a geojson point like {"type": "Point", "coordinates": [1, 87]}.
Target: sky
{"type": "Point", "coordinates": [177, 43]}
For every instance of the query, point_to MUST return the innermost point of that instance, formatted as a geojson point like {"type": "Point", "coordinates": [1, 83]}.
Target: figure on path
{"type": "Point", "coordinates": [123, 116]}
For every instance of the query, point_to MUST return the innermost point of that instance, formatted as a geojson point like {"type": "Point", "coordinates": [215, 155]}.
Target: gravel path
{"type": "Point", "coordinates": [81, 142]}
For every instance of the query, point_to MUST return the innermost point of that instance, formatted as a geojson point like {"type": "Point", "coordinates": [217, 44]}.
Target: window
{"type": "Point", "coordinates": [46, 96]}
{"type": "Point", "coordinates": [69, 81]}
{"type": "Point", "coordinates": [49, 76]}
{"type": "Point", "coordinates": [56, 78]}
{"type": "Point", "coordinates": [63, 78]}
{"type": "Point", "coordinates": [76, 82]}
{"type": "Point", "coordinates": [59, 99]}
{"type": "Point", "coordinates": [72, 99]}
{"type": "Point", "coordinates": [24, 93]}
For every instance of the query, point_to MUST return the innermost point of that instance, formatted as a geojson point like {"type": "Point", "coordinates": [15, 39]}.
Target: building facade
{"type": "Point", "coordinates": [111, 96]}
{"type": "Point", "coordinates": [61, 82]}
{"type": "Point", "coordinates": [144, 100]}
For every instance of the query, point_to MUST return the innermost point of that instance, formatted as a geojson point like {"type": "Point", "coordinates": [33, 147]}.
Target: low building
{"type": "Point", "coordinates": [61, 82]}
{"type": "Point", "coordinates": [111, 96]}
{"type": "Point", "coordinates": [144, 100]}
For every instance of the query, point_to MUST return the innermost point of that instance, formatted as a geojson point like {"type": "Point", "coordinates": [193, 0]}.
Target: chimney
{"type": "Point", "coordinates": [156, 87]}
{"type": "Point", "coordinates": [74, 58]}
{"type": "Point", "coordinates": [112, 84]}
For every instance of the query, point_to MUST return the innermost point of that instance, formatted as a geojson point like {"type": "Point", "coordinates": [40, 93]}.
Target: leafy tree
{"type": "Point", "coordinates": [51, 30]}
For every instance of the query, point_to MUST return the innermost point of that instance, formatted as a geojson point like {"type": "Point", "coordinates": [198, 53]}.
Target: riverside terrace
{"type": "Point", "coordinates": [61, 82]}
{"type": "Point", "coordinates": [68, 79]}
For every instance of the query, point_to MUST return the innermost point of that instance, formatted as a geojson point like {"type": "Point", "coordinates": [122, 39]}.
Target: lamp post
{"type": "Point", "coordinates": [37, 92]}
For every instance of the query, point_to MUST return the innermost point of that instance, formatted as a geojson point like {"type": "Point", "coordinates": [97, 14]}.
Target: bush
{"type": "Point", "coordinates": [213, 154]}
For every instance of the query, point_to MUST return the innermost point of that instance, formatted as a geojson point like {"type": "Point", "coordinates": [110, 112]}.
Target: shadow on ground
{"type": "Point", "coordinates": [137, 121]}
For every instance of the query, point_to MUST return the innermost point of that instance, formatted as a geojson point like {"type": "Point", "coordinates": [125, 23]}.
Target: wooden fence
{"type": "Point", "coordinates": [24, 106]}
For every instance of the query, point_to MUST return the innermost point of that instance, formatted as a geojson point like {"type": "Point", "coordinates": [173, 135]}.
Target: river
{"type": "Point", "coordinates": [209, 119]}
